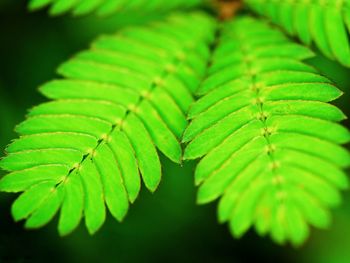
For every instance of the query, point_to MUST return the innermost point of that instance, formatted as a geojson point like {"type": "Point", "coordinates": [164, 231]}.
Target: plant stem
{"type": "Point", "coordinates": [227, 8]}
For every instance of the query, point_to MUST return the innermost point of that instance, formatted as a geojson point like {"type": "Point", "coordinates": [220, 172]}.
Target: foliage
{"type": "Point", "coordinates": [326, 23]}
{"type": "Point", "coordinates": [114, 106]}
{"type": "Point", "coordinates": [108, 7]}
{"type": "Point", "coordinates": [269, 140]}
{"type": "Point", "coordinates": [262, 109]}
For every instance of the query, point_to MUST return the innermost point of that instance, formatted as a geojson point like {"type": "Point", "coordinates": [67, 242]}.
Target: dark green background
{"type": "Point", "coordinates": [164, 227]}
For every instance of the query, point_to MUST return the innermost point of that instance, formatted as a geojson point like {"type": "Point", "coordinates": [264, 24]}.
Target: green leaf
{"type": "Point", "coordinates": [268, 137]}
{"type": "Point", "coordinates": [46, 211]}
{"type": "Point", "coordinates": [88, 148]}
{"type": "Point", "coordinates": [32, 199]}
{"type": "Point", "coordinates": [108, 7]}
{"type": "Point", "coordinates": [73, 204]}
{"type": "Point", "coordinates": [325, 23]}
{"type": "Point", "coordinates": [94, 207]}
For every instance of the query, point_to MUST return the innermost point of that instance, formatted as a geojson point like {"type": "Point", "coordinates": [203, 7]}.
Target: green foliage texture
{"type": "Point", "coordinates": [108, 7]}
{"type": "Point", "coordinates": [238, 95]}
{"type": "Point", "coordinates": [325, 23]}
{"type": "Point", "coordinates": [260, 126]}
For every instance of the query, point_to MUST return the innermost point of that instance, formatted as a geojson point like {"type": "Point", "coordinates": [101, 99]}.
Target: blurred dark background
{"type": "Point", "coordinates": [164, 227]}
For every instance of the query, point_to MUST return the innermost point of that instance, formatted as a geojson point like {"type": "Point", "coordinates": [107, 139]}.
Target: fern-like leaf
{"type": "Point", "coordinates": [118, 101]}
{"type": "Point", "coordinates": [107, 7]}
{"type": "Point", "coordinates": [326, 23]}
{"type": "Point", "coordinates": [269, 139]}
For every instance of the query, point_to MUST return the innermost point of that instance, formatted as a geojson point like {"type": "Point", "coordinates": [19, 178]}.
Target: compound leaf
{"type": "Point", "coordinates": [86, 150]}
{"type": "Point", "coordinates": [268, 138]}
{"type": "Point", "coordinates": [325, 23]}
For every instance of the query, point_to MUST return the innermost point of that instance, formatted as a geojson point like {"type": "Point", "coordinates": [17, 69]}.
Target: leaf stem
{"type": "Point", "coordinates": [227, 9]}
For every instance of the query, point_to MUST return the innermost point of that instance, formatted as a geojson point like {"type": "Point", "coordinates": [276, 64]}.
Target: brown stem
{"type": "Point", "coordinates": [227, 8]}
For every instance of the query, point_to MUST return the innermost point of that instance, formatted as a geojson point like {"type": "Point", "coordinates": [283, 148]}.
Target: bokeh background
{"type": "Point", "coordinates": [163, 227]}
